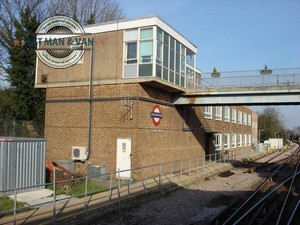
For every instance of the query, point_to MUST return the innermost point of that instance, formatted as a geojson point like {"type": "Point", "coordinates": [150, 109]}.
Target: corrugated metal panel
{"type": "Point", "coordinates": [22, 163]}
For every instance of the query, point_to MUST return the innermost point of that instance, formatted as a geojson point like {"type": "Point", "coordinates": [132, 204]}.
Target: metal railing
{"type": "Point", "coordinates": [147, 178]}
{"type": "Point", "coordinates": [249, 78]}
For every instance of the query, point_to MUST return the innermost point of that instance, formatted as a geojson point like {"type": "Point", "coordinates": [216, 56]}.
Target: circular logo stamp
{"type": "Point", "coordinates": [156, 115]}
{"type": "Point", "coordinates": [55, 45]}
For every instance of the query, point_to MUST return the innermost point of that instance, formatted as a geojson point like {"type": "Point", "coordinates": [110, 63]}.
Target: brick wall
{"type": "Point", "coordinates": [181, 134]}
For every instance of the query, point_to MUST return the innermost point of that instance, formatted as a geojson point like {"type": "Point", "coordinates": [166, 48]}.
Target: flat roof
{"type": "Point", "coordinates": [139, 22]}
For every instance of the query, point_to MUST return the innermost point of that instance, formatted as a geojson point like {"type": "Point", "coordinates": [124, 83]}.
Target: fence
{"type": "Point", "coordinates": [152, 177]}
{"type": "Point", "coordinates": [248, 78]}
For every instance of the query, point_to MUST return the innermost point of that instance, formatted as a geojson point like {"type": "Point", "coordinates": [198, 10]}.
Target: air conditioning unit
{"type": "Point", "coordinates": [79, 153]}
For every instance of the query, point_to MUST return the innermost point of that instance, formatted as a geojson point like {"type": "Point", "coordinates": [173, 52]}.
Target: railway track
{"type": "Point", "coordinates": [275, 201]}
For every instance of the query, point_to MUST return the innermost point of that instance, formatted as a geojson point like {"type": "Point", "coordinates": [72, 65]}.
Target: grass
{"type": "Point", "coordinates": [8, 204]}
{"type": "Point", "coordinates": [75, 188]}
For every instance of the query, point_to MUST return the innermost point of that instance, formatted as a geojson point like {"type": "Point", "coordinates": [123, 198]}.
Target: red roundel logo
{"type": "Point", "coordinates": [156, 115]}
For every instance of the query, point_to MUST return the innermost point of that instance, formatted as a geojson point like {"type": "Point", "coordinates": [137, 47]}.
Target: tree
{"type": "Point", "coordinates": [87, 11]}
{"type": "Point", "coordinates": [19, 20]}
{"type": "Point", "coordinates": [270, 121]}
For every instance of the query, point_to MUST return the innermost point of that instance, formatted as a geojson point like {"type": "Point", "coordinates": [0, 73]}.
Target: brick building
{"type": "Point", "coordinates": [116, 103]}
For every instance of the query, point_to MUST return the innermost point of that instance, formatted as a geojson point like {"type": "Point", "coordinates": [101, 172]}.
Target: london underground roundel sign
{"type": "Point", "coordinates": [156, 115]}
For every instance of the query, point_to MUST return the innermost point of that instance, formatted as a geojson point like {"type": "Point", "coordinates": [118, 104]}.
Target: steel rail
{"type": "Point", "coordinates": [293, 213]}
{"type": "Point", "coordinates": [287, 194]}
{"type": "Point", "coordinates": [260, 201]}
{"type": "Point", "coordinates": [256, 191]}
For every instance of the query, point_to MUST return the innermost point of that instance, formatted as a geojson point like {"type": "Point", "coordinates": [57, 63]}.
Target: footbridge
{"type": "Point", "coordinates": [251, 87]}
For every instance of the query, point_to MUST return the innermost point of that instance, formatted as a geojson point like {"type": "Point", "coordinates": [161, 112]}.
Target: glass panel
{"type": "Point", "coordinates": [146, 49]}
{"type": "Point", "coordinates": [159, 34]}
{"type": "Point", "coordinates": [131, 35]}
{"type": "Point", "coordinates": [147, 33]}
{"type": "Point", "coordinates": [177, 46]}
{"type": "Point", "coordinates": [130, 71]}
{"type": "Point", "coordinates": [131, 53]}
{"type": "Point", "coordinates": [182, 81]}
{"type": "Point", "coordinates": [145, 70]}
{"type": "Point", "coordinates": [166, 75]}
{"type": "Point", "coordinates": [171, 76]}
{"type": "Point", "coordinates": [172, 59]}
{"type": "Point", "coordinates": [166, 39]}
{"type": "Point", "coordinates": [172, 43]}
{"type": "Point", "coordinates": [177, 62]}
{"type": "Point", "coordinates": [182, 65]}
{"type": "Point", "coordinates": [159, 50]}
{"type": "Point", "coordinates": [190, 58]}
{"type": "Point", "coordinates": [166, 56]}
{"type": "Point", "coordinates": [158, 70]}
{"type": "Point", "coordinates": [177, 78]}
{"type": "Point", "coordinates": [182, 50]}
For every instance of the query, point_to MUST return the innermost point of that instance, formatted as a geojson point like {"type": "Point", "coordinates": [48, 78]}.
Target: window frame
{"type": "Point", "coordinates": [218, 142]}
{"type": "Point", "coordinates": [233, 115]}
{"type": "Point", "coordinates": [227, 114]}
{"type": "Point", "coordinates": [208, 115]}
{"type": "Point", "coordinates": [218, 113]}
{"type": "Point", "coordinates": [226, 141]}
{"type": "Point", "coordinates": [240, 117]}
{"type": "Point", "coordinates": [233, 140]}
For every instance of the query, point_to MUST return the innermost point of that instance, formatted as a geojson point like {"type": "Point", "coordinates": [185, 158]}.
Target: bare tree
{"type": "Point", "coordinates": [87, 11]}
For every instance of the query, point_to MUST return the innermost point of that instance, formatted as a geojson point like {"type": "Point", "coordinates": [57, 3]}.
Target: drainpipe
{"type": "Point", "coordinates": [90, 104]}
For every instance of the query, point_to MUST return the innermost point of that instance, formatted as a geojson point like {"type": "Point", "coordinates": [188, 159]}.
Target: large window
{"type": "Point", "coordinates": [226, 141]}
{"type": "Point", "coordinates": [249, 120]}
{"type": "Point", "coordinates": [208, 112]}
{"type": "Point", "coordinates": [227, 114]}
{"type": "Point", "coordinates": [233, 140]}
{"type": "Point", "coordinates": [131, 56]}
{"type": "Point", "coordinates": [218, 141]}
{"type": "Point", "coordinates": [240, 140]}
{"type": "Point", "coordinates": [249, 139]}
{"type": "Point", "coordinates": [218, 113]}
{"type": "Point", "coordinates": [146, 52]}
{"type": "Point", "coordinates": [245, 119]}
{"type": "Point", "coordinates": [244, 139]}
{"type": "Point", "coordinates": [233, 115]}
{"type": "Point", "coordinates": [240, 117]}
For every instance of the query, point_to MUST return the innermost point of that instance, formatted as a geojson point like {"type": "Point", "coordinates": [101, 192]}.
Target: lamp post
{"type": "Point", "coordinates": [259, 135]}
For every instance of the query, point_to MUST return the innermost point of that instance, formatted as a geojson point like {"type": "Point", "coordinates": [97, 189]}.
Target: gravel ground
{"type": "Point", "coordinates": [197, 202]}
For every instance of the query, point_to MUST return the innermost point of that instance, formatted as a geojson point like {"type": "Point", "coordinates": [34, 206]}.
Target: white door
{"type": "Point", "coordinates": [124, 157]}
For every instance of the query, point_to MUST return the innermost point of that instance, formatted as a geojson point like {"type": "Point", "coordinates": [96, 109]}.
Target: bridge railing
{"type": "Point", "coordinates": [248, 78]}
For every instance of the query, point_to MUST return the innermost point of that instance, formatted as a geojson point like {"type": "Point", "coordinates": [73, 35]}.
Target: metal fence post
{"type": "Point", "coordinates": [85, 193]}
{"type": "Point", "coordinates": [110, 187]}
{"type": "Point", "coordinates": [15, 206]}
{"type": "Point", "coordinates": [54, 195]}
{"type": "Point", "coordinates": [160, 178]}
{"type": "Point", "coordinates": [119, 195]}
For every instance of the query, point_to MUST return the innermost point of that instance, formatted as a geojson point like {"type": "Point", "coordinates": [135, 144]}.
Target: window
{"type": "Point", "coordinates": [244, 139]}
{"type": "Point", "coordinates": [240, 115]}
{"type": "Point", "coordinates": [245, 119]}
{"type": "Point", "coordinates": [233, 115]}
{"type": "Point", "coordinates": [218, 113]}
{"type": "Point", "coordinates": [190, 57]}
{"type": "Point", "coordinates": [146, 49]}
{"type": "Point", "coordinates": [249, 139]}
{"type": "Point", "coordinates": [218, 141]}
{"type": "Point", "coordinates": [131, 53]}
{"type": "Point", "coordinates": [208, 112]}
{"type": "Point", "coordinates": [249, 119]}
{"type": "Point", "coordinates": [233, 140]}
{"type": "Point", "coordinates": [240, 140]}
{"type": "Point", "coordinates": [227, 114]}
{"type": "Point", "coordinates": [226, 141]}
{"type": "Point", "coordinates": [147, 33]}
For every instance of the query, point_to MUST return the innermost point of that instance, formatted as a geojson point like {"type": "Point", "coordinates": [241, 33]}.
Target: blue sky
{"type": "Point", "coordinates": [234, 34]}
